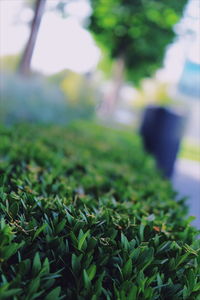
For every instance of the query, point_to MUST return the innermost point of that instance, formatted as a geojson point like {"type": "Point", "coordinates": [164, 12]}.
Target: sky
{"type": "Point", "coordinates": [64, 44]}
{"type": "Point", "coordinates": [186, 44]}
{"type": "Point", "coordinates": [61, 43]}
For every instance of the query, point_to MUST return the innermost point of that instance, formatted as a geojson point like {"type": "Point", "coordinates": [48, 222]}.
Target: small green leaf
{"type": "Point", "coordinates": [181, 259]}
{"type": "Point", "coordinates": [86, 279]}
{"type": "Point", "coordinates": [36, 264]}
{"type": "Point", "coordinates": [164, 247]}
{"type": "Point", "coordinates": [135, 254]}
{"type": "Point", "coordinates": [69, 217]}
{"type": "Point", "coordinates": [39, 230]}
{"type": "Point", "coordinates": [60, 226]}
{"type": "Point", "coordinates": [14, 208]}
{"type": "Point", "coordinates": [74, 239]}
{"type": "Point", "coordinates": [197, 287]}
{"type": "Point", "coordinates": [124, 242]}
{"type": "Point", "coordinates": [185, 293]}
{"type": "Point", "coordinates": [141, 231]}
{"type": "Point", "coordinates": [6, 294]}
{"type": "Point", "coordinates": [82, 239]}
{"type": "Point", "coordinates": [190, 250]}
{"type": "Point", "coordinates": [127, 269]}
{"type": "Point", "coordinates": [54, 294]}
{"type": "Point", "coordinates": [76, 263]}
{"type": "Point", "coordinates": [11, 249]}
{"type": "Point", "coordinates": [33, 286]}
{"type": "Point", "coordinates": [45, 267]}
{"type": "Point", "coordinates": [148, 292]}
{"type": "Point", "coordinates": [92, 271]}
{"type": "Point", "coordinates": [191, 280]}
{"type": "Point", "coordinates": [132, 295]}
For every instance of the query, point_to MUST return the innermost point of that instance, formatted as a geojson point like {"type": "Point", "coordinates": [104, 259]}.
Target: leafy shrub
{"type": "Point", "coordinates": [35, 100]}
{"type": "Point", "coordinates": [80, 92]}
{"type": "Point", "coordinates": [85, 215]}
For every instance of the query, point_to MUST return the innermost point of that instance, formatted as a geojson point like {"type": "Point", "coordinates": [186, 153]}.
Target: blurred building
{"type": "Point", "coordinates": [189, 84]}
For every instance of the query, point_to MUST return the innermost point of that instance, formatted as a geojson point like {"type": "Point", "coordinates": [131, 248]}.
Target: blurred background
{"type": "Point", "coordinates": [61, 60]}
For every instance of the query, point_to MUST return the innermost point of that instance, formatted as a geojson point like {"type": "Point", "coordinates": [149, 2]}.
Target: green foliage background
{"type": "Point", "coordinates": [138, 30]}
{"type": "Point", "coordinates": [85, 215]}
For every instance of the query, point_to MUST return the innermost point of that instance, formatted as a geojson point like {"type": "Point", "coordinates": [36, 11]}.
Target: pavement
{"type": "Point", "coordinates": [186, 181]}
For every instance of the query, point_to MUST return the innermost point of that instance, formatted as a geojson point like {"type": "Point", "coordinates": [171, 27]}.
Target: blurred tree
{"type": "Point", "coordinates": [39, 7]}
{"type": "Point", "coordinates": [136, 33]}
{"type": "Point", "coordinates": [24, 67]}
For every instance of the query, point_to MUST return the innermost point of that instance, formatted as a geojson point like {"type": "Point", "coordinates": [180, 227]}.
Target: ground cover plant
{"type": "Point", "coordinates": [85, 215]}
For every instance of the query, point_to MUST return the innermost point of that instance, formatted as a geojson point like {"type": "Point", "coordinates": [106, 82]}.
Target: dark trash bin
{"type": "Point", "coordinates": [161, 131]}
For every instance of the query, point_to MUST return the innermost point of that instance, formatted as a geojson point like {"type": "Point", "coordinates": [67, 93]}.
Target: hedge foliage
{"type": "Point", "coordinates": [85, 215]}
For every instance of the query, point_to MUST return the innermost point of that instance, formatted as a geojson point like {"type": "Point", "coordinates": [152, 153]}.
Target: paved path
{"type": "Point", "coordinates": [186, 181]}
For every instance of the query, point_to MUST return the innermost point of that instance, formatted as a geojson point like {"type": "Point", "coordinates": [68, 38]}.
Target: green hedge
{"type": "Point", "coordinates": [85, 215]}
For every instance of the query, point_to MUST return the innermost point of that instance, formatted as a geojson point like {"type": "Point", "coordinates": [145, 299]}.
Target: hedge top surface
{"type": "Point", "coordinates": [85, 215]}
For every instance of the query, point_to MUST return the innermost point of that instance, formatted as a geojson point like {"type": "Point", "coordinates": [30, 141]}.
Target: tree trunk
{"type": "Point", "coordinates": [24, 67]}
{"type": "Point", "coordinates": [113, 96]}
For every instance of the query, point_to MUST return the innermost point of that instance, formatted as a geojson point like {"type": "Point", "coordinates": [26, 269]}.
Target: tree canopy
{"type": "Point", "coordinates": [137, 30]}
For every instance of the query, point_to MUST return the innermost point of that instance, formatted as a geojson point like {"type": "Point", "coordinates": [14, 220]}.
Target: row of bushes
{"type": "Point", "coordinates": [85, 215]}
{"type": "Point", "coordinates": [35, 100]}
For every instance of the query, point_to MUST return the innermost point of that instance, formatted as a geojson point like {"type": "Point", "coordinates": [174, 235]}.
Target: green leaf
{"type": "Point", "coordinates": [48, 283]}
{"type": "Point", "coordinates": [127, 269]}
{"type": "Point", "coordinates": [74, 239]}
{"type": "Point", "coordinates": [36, 264]}
{"type": "Point", "coordinates": [6, 294]}
{"type": "Point", "coordinates": [98, 284]}
{"type": "Point", "coordinates": [148, 292]}
{"type": "Point", "coordinates": [39, 230]}
{"type": "Point", "coordinates": [37, 295]}
{"type": "Point", "coordinates": [191, 280]}
{"type": "Point", "coordinates": [25, 266]}
{"type": "Point", "coordinates": [10, 250]}
{"type": "Point", "coordinates": [181, 259]}
{"type": "Point", "coordinates": [82, 239]}
{"type": "Point", "coordinates": [190, 250]}
{"type": "Point", "coordinates": [14, 208]}
{"type": "Point", "coordinates": [141, 231]}
{"type": "Point", "coordinates": [33, 286]}
{"type": "Point", "coordinates": [124, 242]}
{"type": "Point", "coordinates": [60, 226]}
{"type": "Point", "coordinates": [54, 294]}
{"type": "Point", "coordinates": [185, 293]}
{"type": "Point", "coordinates": [76, 263]}
{"type": "Point", "coordinates": [86, 279]}
{"type": "Point", "coordinates": [132, 295]}
{"type": "Point", "coordinates": [159, 280]}
{"type": "Point", "coordinates": [92, 271]}
{"type": "Point", "coordinates": [69, 217]}
{"type": "Point", "coordinates": [135, 254]}
{"type": "Point", "coordinates": [166, 246]}
{"type": "Point", "coordinates": [46, 267]}
{"type": "Point", "coordinates": [197, 287]}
